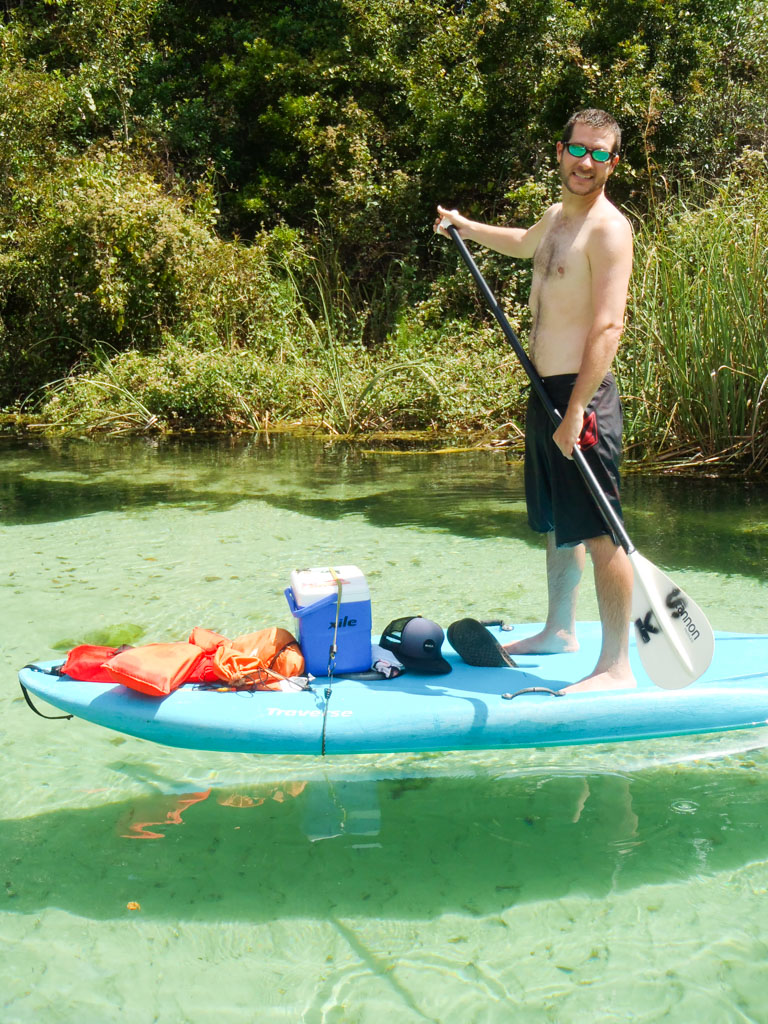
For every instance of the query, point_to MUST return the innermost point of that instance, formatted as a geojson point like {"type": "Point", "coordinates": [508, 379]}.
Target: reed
{"type": "Point", "coordinates": [346, 380]}
{"type": "Point", "coordinates": [695, 362]}
{"type": "Point", "coordinates": [103, 403]}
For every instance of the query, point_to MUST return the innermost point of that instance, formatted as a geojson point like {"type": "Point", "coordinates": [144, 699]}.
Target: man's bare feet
{"type": "Point", "coordinates": [548, 641]}
{"type": "Point", "coordinates": [613, 679]}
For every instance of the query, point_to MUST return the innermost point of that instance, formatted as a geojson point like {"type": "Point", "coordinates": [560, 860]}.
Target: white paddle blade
{"type": "Point", "coordinates": [674, 639]}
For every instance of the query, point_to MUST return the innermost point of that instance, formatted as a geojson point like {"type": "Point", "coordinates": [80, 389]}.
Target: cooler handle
{"type": "Point", "coordinates": [308, 609]}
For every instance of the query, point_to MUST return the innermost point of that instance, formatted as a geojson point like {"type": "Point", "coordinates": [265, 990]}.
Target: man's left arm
{"type": "Point", "coordinates": [610, 257]}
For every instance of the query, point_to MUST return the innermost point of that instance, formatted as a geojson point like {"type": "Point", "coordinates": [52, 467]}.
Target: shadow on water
{"type": "Point", "coordinates": [693, 523]}
{"type": "Point", "coordinates": [49, 483]}
{"type": "Point", "coordinates": [409, 848]}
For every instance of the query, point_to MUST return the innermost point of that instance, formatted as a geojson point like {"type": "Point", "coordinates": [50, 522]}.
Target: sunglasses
{"type": "Point", "coordinates": [600, 156]}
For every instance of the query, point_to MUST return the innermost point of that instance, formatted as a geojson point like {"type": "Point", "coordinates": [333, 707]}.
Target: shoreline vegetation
{"type": "Point", "coordinates": [220, 222]}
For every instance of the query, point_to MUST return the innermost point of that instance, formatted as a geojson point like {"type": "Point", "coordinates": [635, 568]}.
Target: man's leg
{"type": "Point", "coordinates": [564, 569]}
{"type": "Point", "coordinates": [613, 583]}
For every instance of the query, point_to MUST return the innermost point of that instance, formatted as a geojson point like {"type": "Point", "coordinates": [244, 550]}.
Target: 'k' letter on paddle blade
{"type": "Point", "coordinates": [674, 639]}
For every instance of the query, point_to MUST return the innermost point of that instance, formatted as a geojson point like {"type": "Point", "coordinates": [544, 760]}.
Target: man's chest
{"type": "Point", "coordinates": [562, 255]}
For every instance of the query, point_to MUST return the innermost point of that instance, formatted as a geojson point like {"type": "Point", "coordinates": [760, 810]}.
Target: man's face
{"type": "Point", "coordinates": [583, 175]}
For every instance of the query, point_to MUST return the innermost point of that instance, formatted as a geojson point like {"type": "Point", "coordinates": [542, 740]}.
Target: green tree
{"type": "Point", "coordinates": [343, 121]}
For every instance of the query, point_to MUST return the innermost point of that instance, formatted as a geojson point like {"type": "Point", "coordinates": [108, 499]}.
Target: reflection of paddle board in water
{"type": "Point", "coordinates": [467, 709]}
{"type": "Point", "coordinates": [334, 809]}
{"type": "Point", "coordinates": [330, 810]}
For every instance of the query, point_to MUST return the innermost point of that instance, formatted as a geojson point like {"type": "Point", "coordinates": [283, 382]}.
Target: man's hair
{"type": "Point", "coordinates": [595, 119]}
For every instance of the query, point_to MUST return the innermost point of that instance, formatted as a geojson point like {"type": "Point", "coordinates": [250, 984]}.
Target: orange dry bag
{"type": "Point", "coordinates": [209, 642]}
{"type": "Point", "coordinates": [263, 659]}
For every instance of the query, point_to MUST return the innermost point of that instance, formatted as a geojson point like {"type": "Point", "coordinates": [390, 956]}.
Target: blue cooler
{"type": "Point", "coordinates": [313, 597]}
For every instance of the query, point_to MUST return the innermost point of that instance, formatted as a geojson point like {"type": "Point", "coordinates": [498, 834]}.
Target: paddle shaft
{"type": "Point", "coordinates": [612, 520]}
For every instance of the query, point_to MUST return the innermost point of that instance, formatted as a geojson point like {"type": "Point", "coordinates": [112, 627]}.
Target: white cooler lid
{"type": "Point", "coordinates": [309, 585]}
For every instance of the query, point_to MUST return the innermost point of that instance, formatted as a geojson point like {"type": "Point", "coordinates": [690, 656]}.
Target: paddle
{"type": "Point", "coordinates": [674, 639]}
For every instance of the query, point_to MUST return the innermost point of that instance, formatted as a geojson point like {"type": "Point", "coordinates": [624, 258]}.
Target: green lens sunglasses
{"type": "Point", "coordinates": [600, 156]}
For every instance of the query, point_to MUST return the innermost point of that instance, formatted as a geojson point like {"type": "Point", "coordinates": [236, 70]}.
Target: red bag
{"type": "Point", "coordinates": [86, 663]}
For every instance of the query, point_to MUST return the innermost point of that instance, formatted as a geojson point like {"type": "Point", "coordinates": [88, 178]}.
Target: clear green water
{"type": "Point", "coordinates": [612, 883]}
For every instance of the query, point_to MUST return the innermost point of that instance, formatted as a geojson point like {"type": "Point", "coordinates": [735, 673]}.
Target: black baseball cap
{"type": "Point", "coordinates": [416, 642]}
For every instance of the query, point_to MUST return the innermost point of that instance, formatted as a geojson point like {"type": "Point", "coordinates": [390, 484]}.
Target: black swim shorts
{"type": "Point", "coordinates": [556, 495]}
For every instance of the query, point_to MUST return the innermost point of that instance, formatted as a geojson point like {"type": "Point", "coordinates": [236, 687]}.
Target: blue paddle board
{"type": "Point", "coordinates": [469, 709]}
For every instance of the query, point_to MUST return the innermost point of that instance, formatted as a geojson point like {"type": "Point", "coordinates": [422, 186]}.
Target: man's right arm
{"type": "Point", "coordinates": [519, 242]}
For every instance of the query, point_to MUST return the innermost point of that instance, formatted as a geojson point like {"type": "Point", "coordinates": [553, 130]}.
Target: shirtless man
{"type": "Point", "coordinates": [582, 261]}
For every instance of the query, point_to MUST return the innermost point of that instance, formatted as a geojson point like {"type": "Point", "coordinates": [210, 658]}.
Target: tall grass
{"type": "Point", "coordinates": [695, 361]}
{"type": "Point", "coordinates": [346, 378]}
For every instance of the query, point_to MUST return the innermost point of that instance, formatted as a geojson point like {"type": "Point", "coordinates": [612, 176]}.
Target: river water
{"type": "Point", "coordinates": [618, 883]}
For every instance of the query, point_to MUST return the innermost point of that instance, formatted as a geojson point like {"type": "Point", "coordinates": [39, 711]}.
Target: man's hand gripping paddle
{"type": "Point", "coordinates": [674, 639]}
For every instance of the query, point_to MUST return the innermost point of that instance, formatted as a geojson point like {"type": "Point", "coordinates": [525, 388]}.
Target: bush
{"type": "Point", "coordinates": [100, 255]}
{"type": "Point", "coordinates": [103, 257]}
